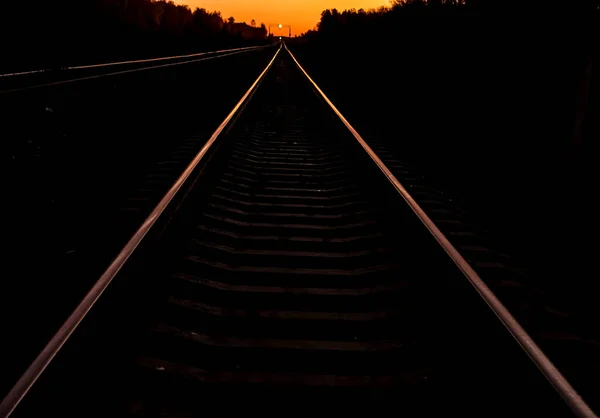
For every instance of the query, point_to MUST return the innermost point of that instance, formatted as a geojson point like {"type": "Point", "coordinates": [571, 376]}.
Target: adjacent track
{"type": "Point", "coordinates": [50, 78]}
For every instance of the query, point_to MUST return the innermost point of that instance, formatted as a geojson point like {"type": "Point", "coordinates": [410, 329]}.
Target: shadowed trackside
{"type": "Point", "coordinates": [293, 281]}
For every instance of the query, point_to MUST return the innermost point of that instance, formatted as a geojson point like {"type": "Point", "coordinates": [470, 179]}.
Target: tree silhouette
{"type": "Point", "coordinates": [493, 97]}
{"type": "Point", "coordinates": [112, 29]}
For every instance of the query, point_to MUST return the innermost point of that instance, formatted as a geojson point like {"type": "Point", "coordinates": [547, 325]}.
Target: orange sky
{"type": "Point", "coordinates": [300, 14]}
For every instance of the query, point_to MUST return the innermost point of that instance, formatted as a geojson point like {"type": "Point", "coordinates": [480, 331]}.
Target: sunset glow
{"type": "Point", "coordinates": [301, 15]}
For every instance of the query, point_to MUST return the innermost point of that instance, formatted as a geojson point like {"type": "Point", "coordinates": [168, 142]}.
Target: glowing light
{"type": "Point", "coordinates": [280, 26]}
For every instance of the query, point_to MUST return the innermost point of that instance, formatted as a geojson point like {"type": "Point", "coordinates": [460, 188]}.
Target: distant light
{"type": "Point", "coordinates": [280, 37]}
{"type": "Point", "coordinates": [280, 26]}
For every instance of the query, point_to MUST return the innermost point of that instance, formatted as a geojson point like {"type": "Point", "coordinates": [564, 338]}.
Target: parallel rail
{"type": "Point", "coordinates": [554, 376]}
{"type": "Point", "coordinates": [117, 63]}
{"type": "Point", "coordinates": [300, 161]}
{"type": "Point", "coordinates": [41, 362]}
{"type": "Point", "coordinates": [204, 56]}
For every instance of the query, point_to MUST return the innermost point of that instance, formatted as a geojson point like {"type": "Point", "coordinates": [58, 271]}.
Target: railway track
{"type": "Point", "coordinates": [288, 277]}
{"type": "Point", "coordinates": [36, 79]}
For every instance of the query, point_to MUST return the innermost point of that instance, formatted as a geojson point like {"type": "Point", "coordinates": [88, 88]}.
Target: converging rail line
{"type": "Point", "coordinates": [178, 60]}
{"type": "Point", "coordinates": [116, 63]}
{"type": "Point", "coordinates": [287, 272]}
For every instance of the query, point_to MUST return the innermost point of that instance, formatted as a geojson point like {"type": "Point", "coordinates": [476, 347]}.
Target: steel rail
{"type": "Point", "coordinates": [535, 353]}
{"type": "Point", "coordinates": [140, 61]}
{"type": "Point", "coordinates": [152, 67]}
{"type": "Point", "coordinates": [33, 372]}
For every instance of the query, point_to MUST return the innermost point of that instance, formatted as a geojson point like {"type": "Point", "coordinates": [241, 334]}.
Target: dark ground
{"type": "Point", "coordinates": [76, 152]}
{"type": "Point", "coordinates": [494, 131]}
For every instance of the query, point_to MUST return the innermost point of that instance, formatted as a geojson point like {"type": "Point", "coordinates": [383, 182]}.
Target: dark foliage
{"type": "Point", "coordinates": [495, 100]}
{"type": "Point", "coordinates": [64, 32]}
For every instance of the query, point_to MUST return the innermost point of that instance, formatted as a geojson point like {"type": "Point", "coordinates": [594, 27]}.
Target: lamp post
{"type": "Point", "coordinates": [281, 26]}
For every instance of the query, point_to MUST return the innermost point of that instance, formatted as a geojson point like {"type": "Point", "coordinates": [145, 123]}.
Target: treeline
{"type": "Point", "coordinates": [437, 17]}
{"type": "Point", "coordinates": [62, 32]}
{"type": "Point", "coordinates": [496, 100]}
{"type": "Point", "coordinates": [463, 61]}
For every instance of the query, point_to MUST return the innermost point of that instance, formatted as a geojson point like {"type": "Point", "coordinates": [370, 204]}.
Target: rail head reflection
{"type": "Point", "coordinates": [33, 372]}
{"type": "Point", "coordinates": [543, 363]}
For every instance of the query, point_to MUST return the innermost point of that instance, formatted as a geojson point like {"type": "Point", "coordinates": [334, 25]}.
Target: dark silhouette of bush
{"type": "Point", "coordinates": [454, 52]}
{"type": "Point", "coordinates": [63, 32]}
{"type": "Point", "coordinates": [496, 100]}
